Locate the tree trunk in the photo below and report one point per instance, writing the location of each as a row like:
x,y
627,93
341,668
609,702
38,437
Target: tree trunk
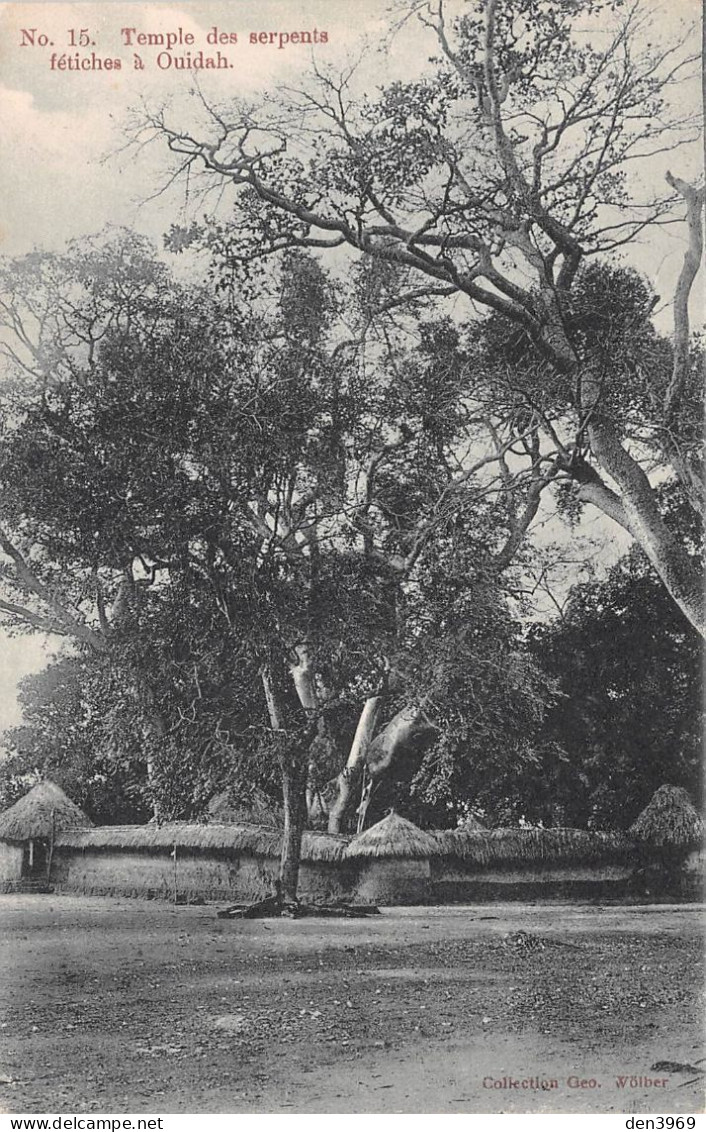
x,y
665,550
293,791
350,777
406,730
157,727
293,761
635,505
322,753
303,676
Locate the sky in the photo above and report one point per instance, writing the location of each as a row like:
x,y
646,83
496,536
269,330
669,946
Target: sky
x,y
61,132
66,174
64,128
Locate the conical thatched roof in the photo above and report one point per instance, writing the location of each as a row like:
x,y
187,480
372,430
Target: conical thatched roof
x,y
32,817
393,837
669,819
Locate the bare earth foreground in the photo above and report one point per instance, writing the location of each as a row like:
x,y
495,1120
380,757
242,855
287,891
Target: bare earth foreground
x,y
128,1006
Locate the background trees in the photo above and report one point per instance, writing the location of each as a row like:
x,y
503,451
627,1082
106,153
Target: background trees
x,y
80,731
630,712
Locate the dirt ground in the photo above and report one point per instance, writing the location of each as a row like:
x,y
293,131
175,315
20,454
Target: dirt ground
x,y
126,1006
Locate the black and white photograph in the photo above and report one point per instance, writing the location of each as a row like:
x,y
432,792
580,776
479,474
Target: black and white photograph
x,y
351,535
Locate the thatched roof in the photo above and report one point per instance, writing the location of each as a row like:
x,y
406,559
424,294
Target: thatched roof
x,y
44,808
393,837
238,837
258,810
669,819
507,847
470,822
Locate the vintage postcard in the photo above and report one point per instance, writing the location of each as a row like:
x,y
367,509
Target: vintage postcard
x,y
351,599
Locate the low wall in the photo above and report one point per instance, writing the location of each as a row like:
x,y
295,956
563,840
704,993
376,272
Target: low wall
x,y
696,861
532,874
394,881
130,872
556,890
694,880
459,881
327,882
209,875
240,876
10,865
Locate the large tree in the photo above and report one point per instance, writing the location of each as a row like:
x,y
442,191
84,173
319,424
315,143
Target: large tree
x,y
493,179
227,455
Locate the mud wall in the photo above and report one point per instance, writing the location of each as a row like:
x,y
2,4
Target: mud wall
x,y
326,882
209,875
456,871
10,865
394,881
456,881
242,878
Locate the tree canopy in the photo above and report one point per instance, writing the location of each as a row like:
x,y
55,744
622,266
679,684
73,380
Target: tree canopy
x,y
258,532
496,178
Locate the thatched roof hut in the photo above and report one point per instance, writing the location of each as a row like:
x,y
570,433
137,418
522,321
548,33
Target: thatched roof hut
x,y
669,820
517,847
394,836
44,810
238,837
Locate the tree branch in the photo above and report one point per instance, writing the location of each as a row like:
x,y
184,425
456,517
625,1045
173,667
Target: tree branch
x,y
692,262
72,626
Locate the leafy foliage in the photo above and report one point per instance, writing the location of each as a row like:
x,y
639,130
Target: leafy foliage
x,y
490,182
630,716
79,730
217,485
